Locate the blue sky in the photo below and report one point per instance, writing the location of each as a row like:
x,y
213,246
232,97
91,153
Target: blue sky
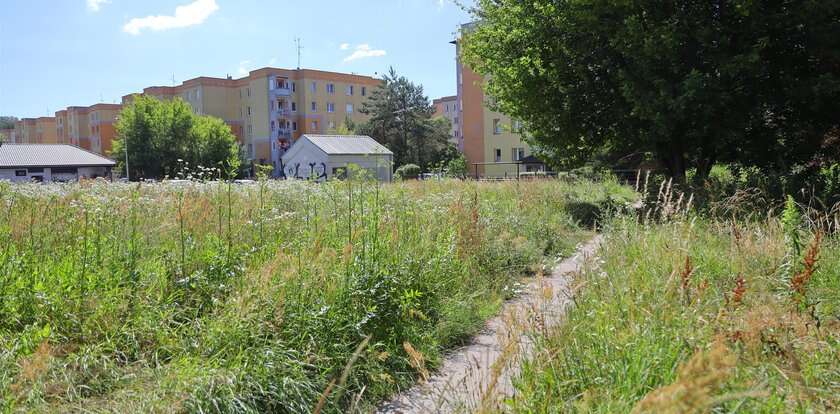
x,y
59,53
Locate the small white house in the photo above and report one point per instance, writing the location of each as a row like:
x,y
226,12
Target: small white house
x,y
50,162
322,157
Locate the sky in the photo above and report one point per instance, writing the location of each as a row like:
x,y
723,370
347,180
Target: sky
x,y
60,53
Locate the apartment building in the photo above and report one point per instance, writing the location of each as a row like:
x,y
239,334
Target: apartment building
x,y
76,127
61,130
101,123
447,107
491,141
271,108
45,132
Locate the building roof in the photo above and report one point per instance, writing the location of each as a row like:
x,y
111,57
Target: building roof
x,y
347,144
49,155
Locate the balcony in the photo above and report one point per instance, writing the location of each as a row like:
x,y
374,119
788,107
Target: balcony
x,y
284,134
282,91
281,112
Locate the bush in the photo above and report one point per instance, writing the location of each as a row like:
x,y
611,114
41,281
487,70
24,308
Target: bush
x,y
408,172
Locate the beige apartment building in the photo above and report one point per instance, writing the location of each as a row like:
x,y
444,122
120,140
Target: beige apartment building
x,y
76,127
447,107
271,108
491,141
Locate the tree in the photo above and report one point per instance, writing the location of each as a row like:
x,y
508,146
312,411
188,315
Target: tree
x,y
163,136
692,82
7,122
401,119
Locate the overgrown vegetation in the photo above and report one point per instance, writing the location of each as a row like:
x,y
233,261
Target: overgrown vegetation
x,y
162,138
688,313
271,297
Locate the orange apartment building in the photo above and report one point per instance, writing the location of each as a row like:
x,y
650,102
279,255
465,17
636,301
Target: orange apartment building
x,y
102,129
271,108
447,107
491,141
61,130
45,132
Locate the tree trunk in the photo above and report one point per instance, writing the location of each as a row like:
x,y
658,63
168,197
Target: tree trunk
x,y
673,157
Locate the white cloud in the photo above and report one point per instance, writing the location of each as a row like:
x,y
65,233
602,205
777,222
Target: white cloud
x,y
364,51
244,67
187,15
344,46
272,61
94,5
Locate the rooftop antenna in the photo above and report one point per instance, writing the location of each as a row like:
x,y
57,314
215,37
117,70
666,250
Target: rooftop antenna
x,y
173,79
299,47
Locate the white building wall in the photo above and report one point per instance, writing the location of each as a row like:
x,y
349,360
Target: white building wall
x,y
47,175
304,154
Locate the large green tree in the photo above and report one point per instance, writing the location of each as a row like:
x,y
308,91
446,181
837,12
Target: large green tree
x,y
401,119
693,82
162,137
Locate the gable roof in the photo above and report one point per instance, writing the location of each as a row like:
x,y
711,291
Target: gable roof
x,y
49,155
347,144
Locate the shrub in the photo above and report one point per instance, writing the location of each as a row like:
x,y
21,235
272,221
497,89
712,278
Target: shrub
x,y
408,172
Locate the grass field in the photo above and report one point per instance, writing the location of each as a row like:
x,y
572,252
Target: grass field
x,y
279,296
692,314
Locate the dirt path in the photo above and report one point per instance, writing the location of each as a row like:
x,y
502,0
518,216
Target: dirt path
x,y
478,376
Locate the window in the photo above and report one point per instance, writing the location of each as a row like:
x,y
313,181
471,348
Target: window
x,y
314,86
249,91
446,108
364,91
67,170
516,126
314,125
331,88
20,173
332,124
349,108
349,90
314,106
339,172
294,107
455,121
272,125
36,170
517,154
249,112
198,94
497,127
498,157
250,129
330,107
294,126
294,87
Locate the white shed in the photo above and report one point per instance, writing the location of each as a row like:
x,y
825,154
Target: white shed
x,y
51,162
322,157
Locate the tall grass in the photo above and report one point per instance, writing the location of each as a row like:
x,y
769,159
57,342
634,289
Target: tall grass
x,y
687,313
280,296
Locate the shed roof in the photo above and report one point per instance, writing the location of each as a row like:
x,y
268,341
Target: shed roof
x,y
348,144
49,155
